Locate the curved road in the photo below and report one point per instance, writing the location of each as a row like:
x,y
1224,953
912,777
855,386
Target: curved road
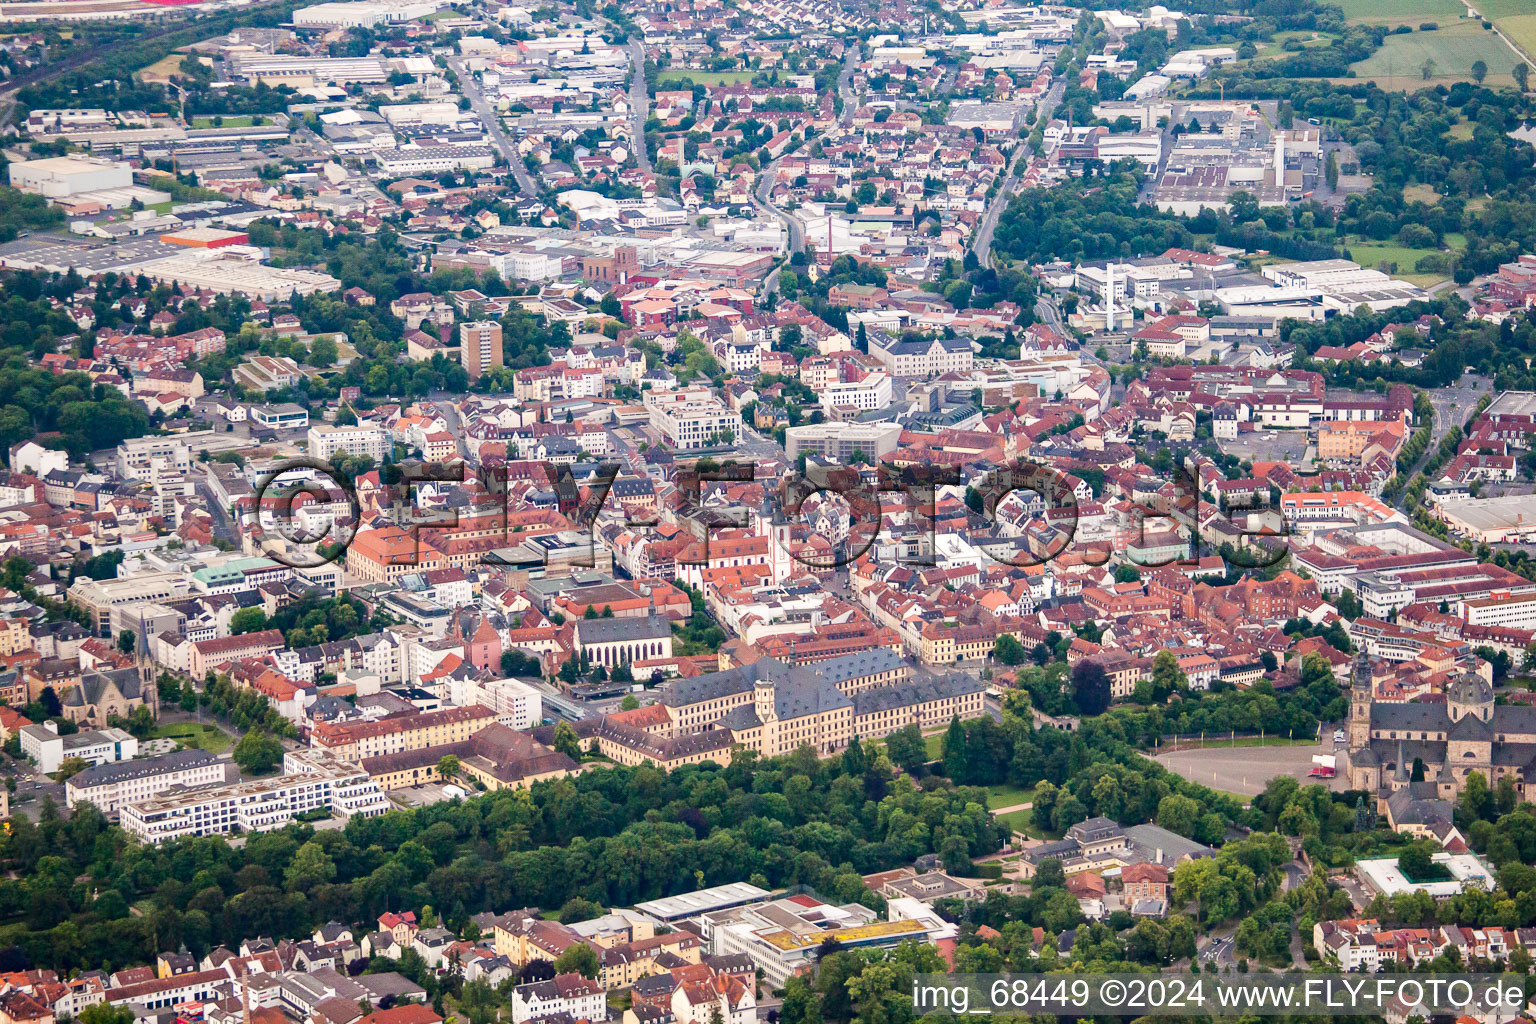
x,y
770,174
983,238
766,179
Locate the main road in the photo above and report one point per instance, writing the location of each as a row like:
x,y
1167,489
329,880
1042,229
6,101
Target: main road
x,y
765,183
845,85
639,104
492,121
983,240
768,175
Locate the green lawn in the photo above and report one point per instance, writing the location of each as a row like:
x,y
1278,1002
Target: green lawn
x,y
1020,821
1402,12
1007,796
191,734
1454,48
1368,254
227,121
666,78
935,746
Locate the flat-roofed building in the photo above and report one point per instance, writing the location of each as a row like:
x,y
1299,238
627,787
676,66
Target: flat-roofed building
x,y
359,440
311,780
111,785
691,418
43,744
59,177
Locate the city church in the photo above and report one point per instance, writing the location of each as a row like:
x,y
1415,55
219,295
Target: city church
x,y
1468,733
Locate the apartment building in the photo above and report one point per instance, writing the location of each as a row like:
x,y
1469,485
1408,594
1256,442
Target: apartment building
x,y
311,780
571,994
209,654
516,703
109,786
1517,611
356,440
691,418
480,347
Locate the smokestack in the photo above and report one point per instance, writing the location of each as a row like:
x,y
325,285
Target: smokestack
x,y
1279,160
1109,295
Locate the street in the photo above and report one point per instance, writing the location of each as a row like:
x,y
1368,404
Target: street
x,y
983,241
765,184
845,85
492,121
639,104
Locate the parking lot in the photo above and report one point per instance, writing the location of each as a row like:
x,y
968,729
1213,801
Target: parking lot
x,y
1244,771
1289,446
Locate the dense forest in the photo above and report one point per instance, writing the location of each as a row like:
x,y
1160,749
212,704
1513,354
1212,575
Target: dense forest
x,y
613,836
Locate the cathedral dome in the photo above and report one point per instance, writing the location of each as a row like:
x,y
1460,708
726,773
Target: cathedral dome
x,y
1470,688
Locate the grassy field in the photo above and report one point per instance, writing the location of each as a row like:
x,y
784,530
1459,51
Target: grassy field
x,y
1454,48
1020,821
228,121
162,69
666,78
1368,254
1515,19
1402,12
192,734
1007,796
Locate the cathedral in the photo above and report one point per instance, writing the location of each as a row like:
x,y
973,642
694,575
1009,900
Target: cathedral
x,y
1468,733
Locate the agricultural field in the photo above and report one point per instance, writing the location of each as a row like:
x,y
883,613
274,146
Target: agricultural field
x,y
1402,12
1515,18
1454,48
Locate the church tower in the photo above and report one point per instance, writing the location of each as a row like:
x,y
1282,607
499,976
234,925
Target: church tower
x,y
1360,703
765,704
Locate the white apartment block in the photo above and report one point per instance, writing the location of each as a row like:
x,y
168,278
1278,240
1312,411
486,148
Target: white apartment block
x,y
688,417
872,392
516,704
581,998
109,786
1516,611
358,440
310,780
